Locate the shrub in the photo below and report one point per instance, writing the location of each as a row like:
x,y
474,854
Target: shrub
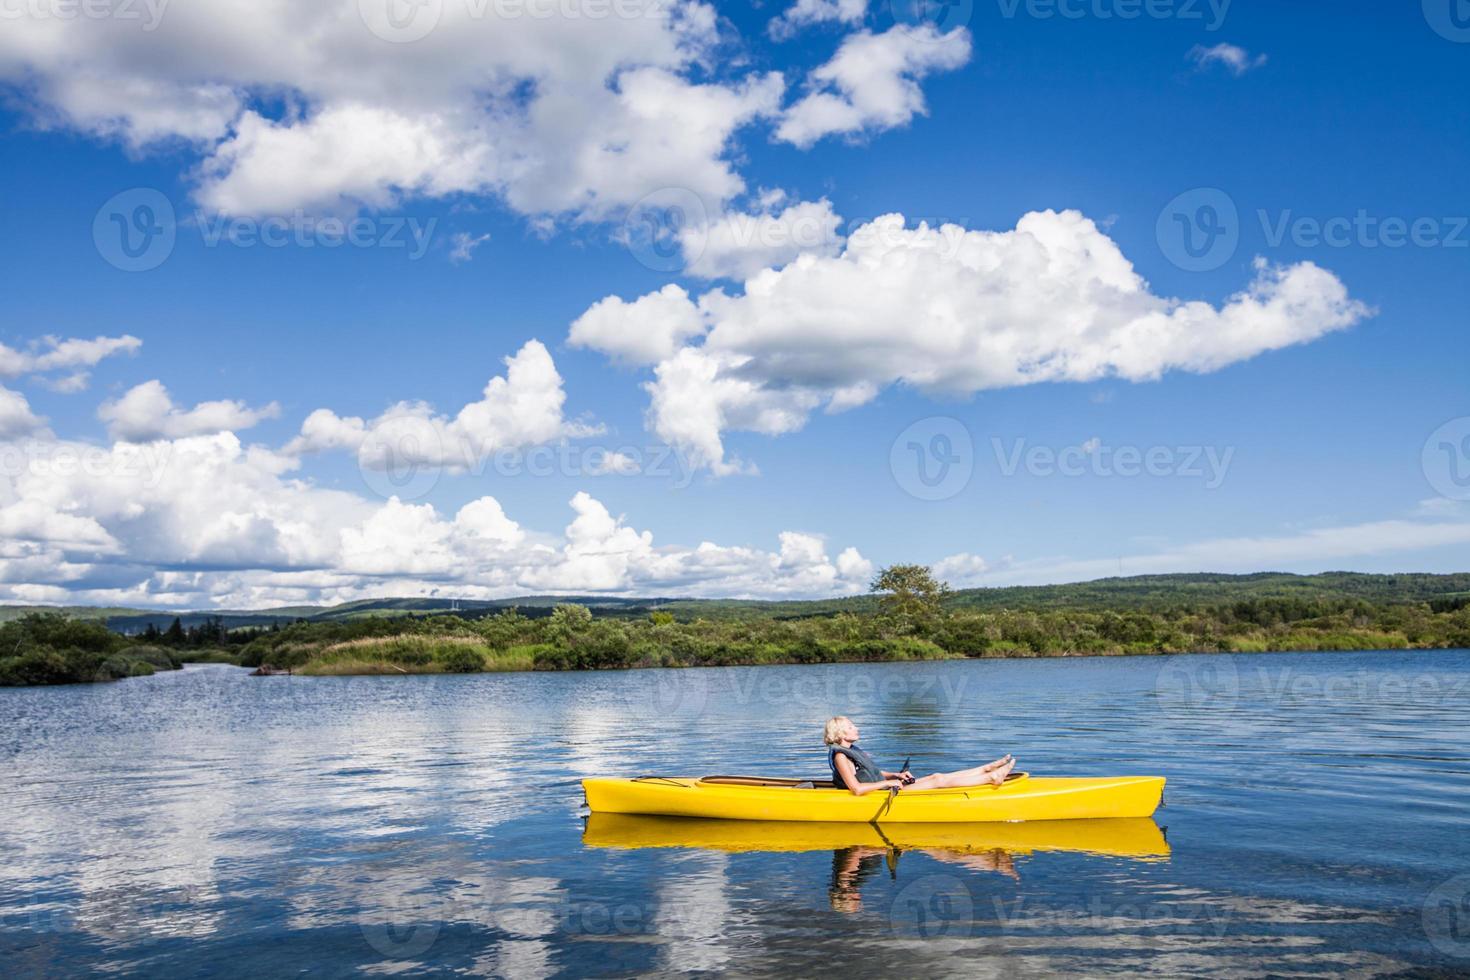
x,y
36,667
461,660
601,646
58,632
408,656
115,668
551,658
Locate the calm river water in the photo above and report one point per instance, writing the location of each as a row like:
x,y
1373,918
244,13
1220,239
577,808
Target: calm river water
x,y
1317,820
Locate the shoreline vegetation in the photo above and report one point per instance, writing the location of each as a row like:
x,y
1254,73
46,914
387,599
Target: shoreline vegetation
x,y
910,616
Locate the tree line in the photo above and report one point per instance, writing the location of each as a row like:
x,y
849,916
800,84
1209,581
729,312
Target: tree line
x,y
911,617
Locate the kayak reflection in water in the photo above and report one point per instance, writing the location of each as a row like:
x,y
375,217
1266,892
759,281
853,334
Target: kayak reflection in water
x,y
852,866
855,769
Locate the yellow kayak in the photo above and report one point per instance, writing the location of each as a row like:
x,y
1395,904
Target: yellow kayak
x,y
1130,837
1021,797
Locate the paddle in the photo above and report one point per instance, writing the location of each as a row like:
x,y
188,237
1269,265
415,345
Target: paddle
x,y
894,851
905,768
888,805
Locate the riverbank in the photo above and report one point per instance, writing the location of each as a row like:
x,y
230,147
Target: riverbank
x,y
52,649
338,664
572,639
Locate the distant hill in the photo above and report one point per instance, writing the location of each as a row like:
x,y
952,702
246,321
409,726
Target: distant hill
x,y
1150,592
1153,592
126,620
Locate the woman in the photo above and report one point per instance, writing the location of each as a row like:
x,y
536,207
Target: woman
x,y
855,769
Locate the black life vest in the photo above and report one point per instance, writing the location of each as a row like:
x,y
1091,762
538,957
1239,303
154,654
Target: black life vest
x,y
867,769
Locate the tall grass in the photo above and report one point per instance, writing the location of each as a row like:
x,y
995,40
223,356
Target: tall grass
x,y
415,654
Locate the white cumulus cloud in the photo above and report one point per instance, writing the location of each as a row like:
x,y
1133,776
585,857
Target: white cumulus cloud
x,y
16,417
740,244
1232,57
644,331
147,412
804,13
313,106
872,83
952,311
523,408
58,354
206,520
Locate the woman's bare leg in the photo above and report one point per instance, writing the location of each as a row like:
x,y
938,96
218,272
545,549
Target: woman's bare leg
x,y
993,773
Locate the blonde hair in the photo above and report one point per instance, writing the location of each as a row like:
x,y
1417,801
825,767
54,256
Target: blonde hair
x,y
832,731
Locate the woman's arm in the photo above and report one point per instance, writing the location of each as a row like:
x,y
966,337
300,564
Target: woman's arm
x,y
848,772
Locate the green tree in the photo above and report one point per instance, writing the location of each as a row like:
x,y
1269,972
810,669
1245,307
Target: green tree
x,y
568,618
910,594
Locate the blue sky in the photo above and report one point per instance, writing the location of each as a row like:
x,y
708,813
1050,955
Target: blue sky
x,y
1303,112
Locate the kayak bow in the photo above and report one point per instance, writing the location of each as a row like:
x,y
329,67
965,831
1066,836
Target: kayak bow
x,y
1022,797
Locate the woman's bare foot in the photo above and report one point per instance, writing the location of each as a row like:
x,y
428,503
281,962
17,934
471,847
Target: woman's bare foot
x,y
998,776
